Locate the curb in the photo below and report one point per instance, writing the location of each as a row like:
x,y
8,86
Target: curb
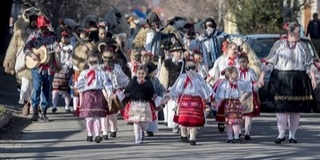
x,y
5,119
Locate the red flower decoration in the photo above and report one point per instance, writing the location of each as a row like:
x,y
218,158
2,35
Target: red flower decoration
x,y
64,33
286,26
42,21
224,46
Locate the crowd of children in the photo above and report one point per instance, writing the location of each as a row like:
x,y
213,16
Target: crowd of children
x,y
180,83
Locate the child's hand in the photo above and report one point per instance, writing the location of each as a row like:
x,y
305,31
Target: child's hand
x,y
164,101
256,87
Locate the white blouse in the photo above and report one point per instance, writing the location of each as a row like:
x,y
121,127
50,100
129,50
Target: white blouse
x,y
118,78
284,56
196,86
219,65
227,90
66,56
94,79
202,70
248,76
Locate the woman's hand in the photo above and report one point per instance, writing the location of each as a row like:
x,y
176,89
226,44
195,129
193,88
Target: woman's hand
x,y
35,57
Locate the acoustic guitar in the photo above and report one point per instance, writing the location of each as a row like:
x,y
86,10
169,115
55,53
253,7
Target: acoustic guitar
x,y
43,56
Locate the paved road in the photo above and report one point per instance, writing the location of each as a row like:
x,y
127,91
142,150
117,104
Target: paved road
x,y
64,138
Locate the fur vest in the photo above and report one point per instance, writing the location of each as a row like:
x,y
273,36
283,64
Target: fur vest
x,y
140,92
174,70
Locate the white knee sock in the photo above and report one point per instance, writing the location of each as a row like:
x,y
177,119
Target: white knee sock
x,y
293,124
89,125
184,131
113,122
25,90
193,133
97,126
247,124
236,129
229,131
75,102
136,130
103,126
67,100
55,98
282,121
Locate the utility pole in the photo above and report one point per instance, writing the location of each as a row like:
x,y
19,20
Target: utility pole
x,y
220,14
291,10
288,11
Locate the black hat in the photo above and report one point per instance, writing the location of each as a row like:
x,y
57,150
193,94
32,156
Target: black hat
x,y
177,47
166,45
151,67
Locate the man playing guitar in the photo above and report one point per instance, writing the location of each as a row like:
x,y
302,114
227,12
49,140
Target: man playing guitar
x,y
41,74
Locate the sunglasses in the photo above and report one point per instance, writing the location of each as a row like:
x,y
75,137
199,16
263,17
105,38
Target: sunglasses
x,y
93,62
107,57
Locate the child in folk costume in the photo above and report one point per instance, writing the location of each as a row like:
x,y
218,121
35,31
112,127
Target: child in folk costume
x,y
119,80
170,70
228,59
79,60
227,97
159,91
140,110
135,61
201,68
191,90
61,79
249,100
92,85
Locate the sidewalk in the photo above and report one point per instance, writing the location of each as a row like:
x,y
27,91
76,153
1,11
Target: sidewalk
x,y
64,138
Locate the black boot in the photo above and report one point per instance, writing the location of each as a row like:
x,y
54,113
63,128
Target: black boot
x,y
192,142
184,139
221,127
35,115
113,134
44,117
150,133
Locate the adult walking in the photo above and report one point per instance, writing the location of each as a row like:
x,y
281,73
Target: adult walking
x,y
290,88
